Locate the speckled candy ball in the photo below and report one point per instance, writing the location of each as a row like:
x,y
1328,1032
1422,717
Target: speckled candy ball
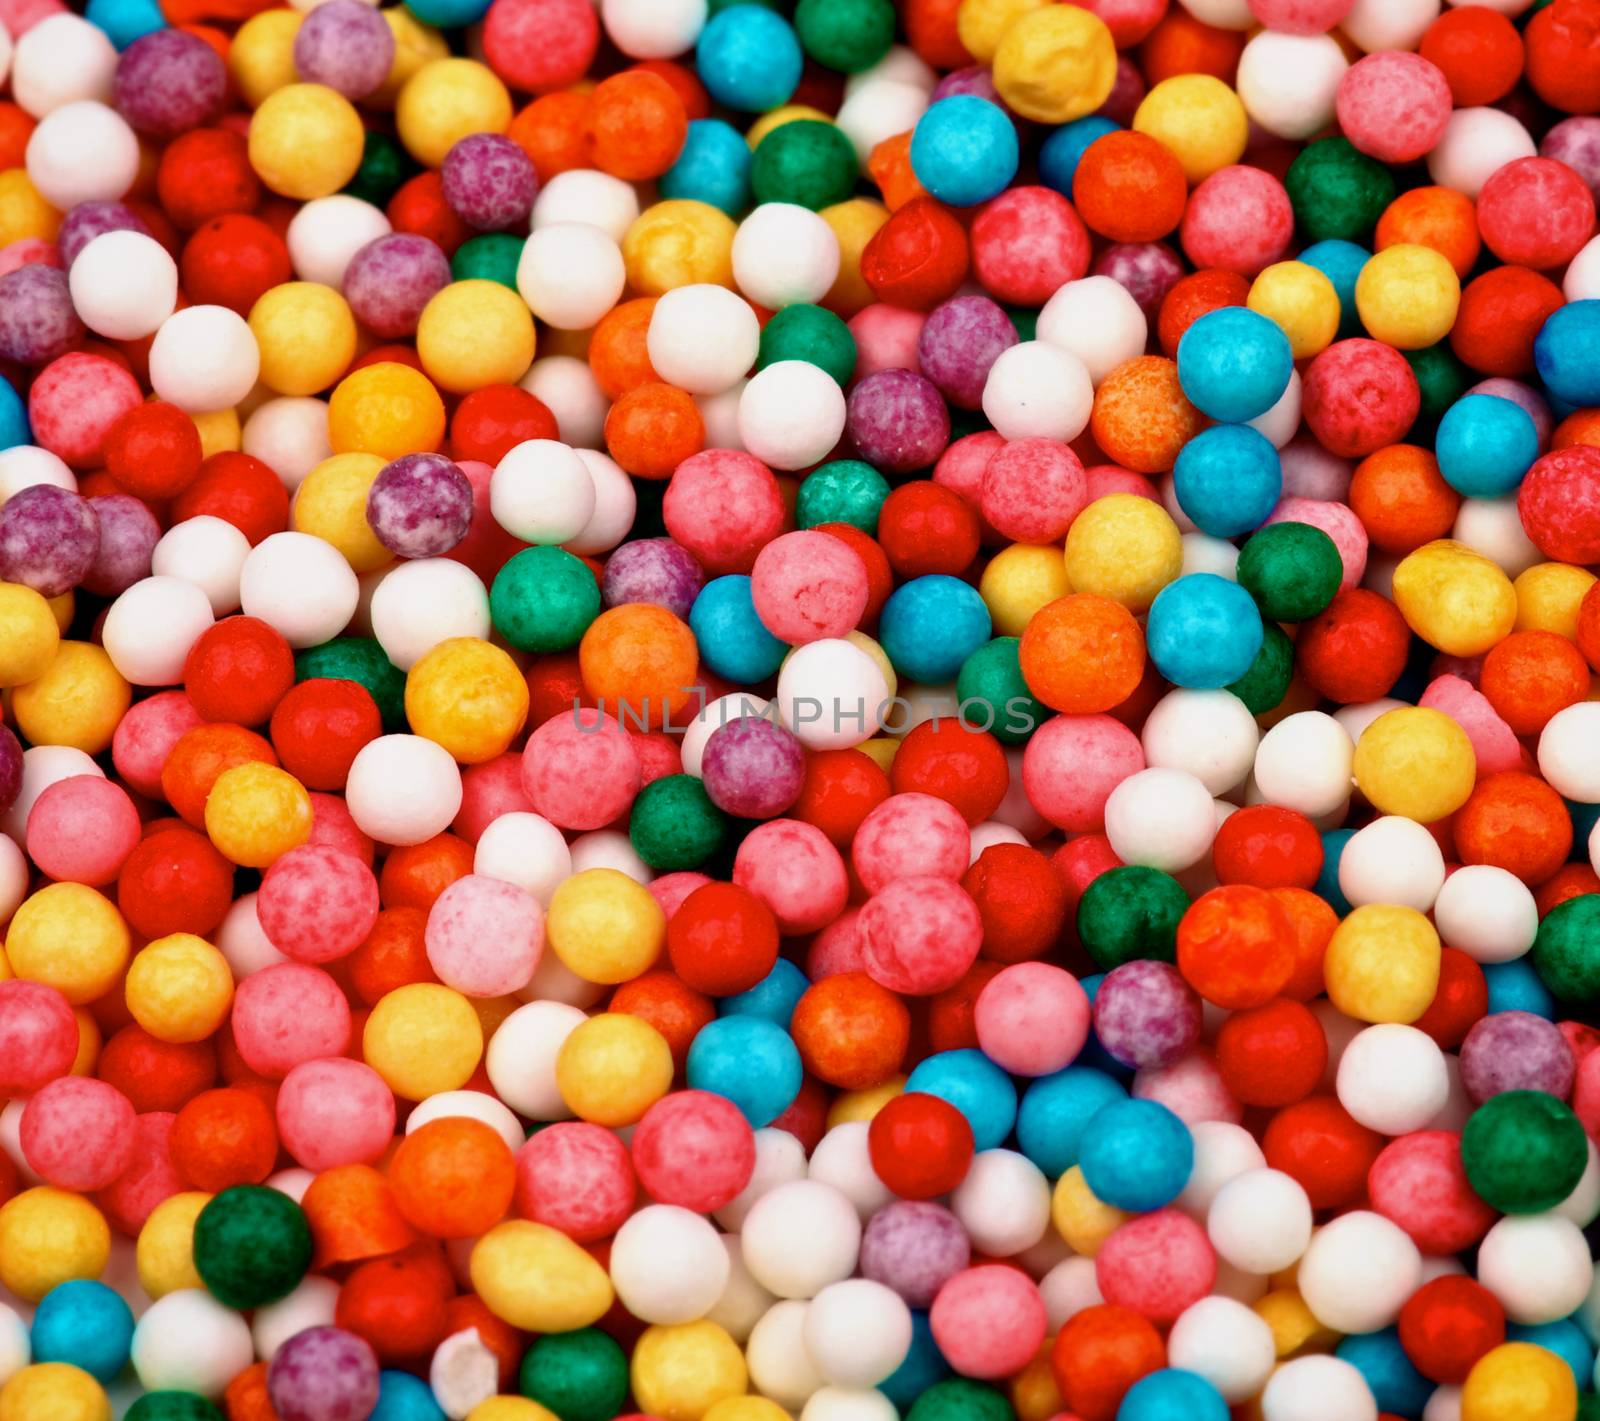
x,y
753,768
914,1246
48,539
420,505
489,182
898,421
1146,1015
129,533
89,220
37,321
390,280
808,586
960,340
324,1374
656,570
345,45
251,1245
168,82
1516,1050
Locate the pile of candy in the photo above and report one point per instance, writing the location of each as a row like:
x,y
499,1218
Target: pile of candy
x,y
840,710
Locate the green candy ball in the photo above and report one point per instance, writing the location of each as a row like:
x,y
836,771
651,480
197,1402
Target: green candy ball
x,y
1524,1151
251,1245
957,1399
1291,569
806,162
1266,683
1337,191
845,491
581,1376
1566,952
362,660
809,333
385,166
1588,1407
846,35
1440,376
543,599
674,824
491,256
992,677
1130,913
172,1406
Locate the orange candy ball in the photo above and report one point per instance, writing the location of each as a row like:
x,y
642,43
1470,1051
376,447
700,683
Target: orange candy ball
x,y
618,355
851,1032
639,661
453,1178
653,428
1530,676
1517,823
1437,217
1141,416
1236,946
1082,654
1129,187
1402,499
637,125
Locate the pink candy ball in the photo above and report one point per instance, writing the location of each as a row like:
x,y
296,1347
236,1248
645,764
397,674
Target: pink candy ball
x,y
144,737
484,936
911,835
1494,744
1394,106
989,1321
81,829
1357,396
837,948
1419,1183
659,754
333,826
671,889
1192,1088
575,1177
1033,489
1032,1018
150,1177
1157,1264
334,1112
1300,17
580,771
73,403
694,1149
886,338
920,935
1239,219
792,868
316,904
723,506
1339,522
1071,765
1105,479
38,1036
1310,471
287,1014
488,791
78,1133
808,586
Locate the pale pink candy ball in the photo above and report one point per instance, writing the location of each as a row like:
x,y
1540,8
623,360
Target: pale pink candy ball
x,y
1394,106
1300,17
793,868
1157,1264
911,835
78,1133
577,1178
1033,489
287,1014
672,888
961,467
150,1177
488,791
82,829
1032,1018
989,1321
1310,471
484,936
1338,522
1102,480
144,737
1071,765
886,338
920,935
837,948
1192,1088
694,1149
580,770
333,826
808,586
660,754
334,1112
1494,743
316,903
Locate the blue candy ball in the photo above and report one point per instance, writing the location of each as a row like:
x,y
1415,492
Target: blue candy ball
x,y
448,14
1515,986
1204,631
14,427
964,150
1063,150
732,640
713,167
749,58
403,1397
1172,1395
1055,1112
125,20
1228,480
1396,1385
932,624
1341,263
750,1061
1485,445
978,1088
1327,885
923,1366
774,997
86,1324
1567,353
1234,364
1136,1155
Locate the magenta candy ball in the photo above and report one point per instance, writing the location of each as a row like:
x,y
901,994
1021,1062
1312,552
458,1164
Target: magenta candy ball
x,y
753,767
1145,1014
914,1246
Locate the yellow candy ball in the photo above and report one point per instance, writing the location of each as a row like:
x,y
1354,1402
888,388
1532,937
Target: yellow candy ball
x,y
746,1408
1548,597
53,1391
306,334
219,431
606,927
444,101
1382,964
1056,64
164,1253
415,44
1199,118
862,642
49,1236
77,701
1303,303
1417,762
331,504
680,1372
71,938
1519,1381
1294,1326
776,118
854,224
63,608
863,1105
422,1039
1407,296
256,813
387,409
28,634
881,750
89,1041
179,988
678,243
1034,1393
306,141
1124,547
261,57
475,333
1083,1220
612,1068
538,1279
981,24
23,212
468,696
1455,598
1018,581
510,1408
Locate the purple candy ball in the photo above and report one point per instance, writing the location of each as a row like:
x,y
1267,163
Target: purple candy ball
x,y
1145,1014
10,768
489,182
324,1374
914,1247
654,570
420,505
89,220
48,539
898,421
1519,392
1516,1050
128,536
393,277
960,340
346,45
1127,93
1147,269
1576,142
753,768
37,320
168,82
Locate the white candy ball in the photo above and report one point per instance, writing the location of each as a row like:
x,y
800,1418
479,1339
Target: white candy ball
x,y
541,492
791,414
831,694
1288,83
609,848
1224,14
1304,762
289,435
82,152
1210,735
567,385
800,1237
1357,717
1227,1343
615,504
403,789
1359,1271
1493,527
879,109
204,358
521,1057
1392,860
780,1159
1069,1288
525,849
1222,1151
209,552
1036,390
902,65
588,196
1582,281
784,254
668,1264
1582,1206
424,602
990,833
703,338
123,285
187,1341
571,274
653,29
1161,819
1443,1405
1392,1078
1096,319
857,1332
1476,144
837,1403
720,415
311,1304
1487,912
780,1365
1280,421
1388,24
554,981
327,232
24,465
468,1105
462,1373
1537,1266
150,628
1203,553
1317,1388
841,1160
300,585
1260,1221
1569,752
744,1302
16,1345
1003,1203
61,60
